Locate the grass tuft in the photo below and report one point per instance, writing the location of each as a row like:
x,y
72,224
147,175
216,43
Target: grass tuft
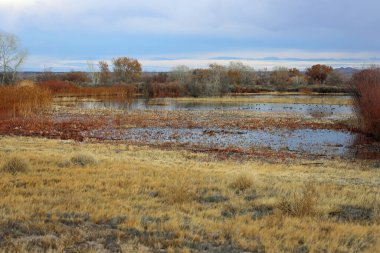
x,y
83,160
241,183
16,165
180,191
301,203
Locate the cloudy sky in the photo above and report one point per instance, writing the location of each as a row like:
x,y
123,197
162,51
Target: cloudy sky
x,y
64,34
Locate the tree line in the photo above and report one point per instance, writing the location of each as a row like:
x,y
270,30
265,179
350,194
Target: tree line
x,y
215,80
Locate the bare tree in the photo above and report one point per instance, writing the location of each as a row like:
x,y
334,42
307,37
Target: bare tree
x,y
280,77
335,78
217,80
11,57
181,73
93,72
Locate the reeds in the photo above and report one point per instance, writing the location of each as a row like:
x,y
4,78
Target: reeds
x,y
367,102
61,88
23,100
170,89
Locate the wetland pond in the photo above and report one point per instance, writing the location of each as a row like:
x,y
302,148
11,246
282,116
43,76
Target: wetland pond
x,y
320,142
324,110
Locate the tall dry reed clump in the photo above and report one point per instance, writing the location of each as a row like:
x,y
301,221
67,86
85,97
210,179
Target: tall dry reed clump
x,y
367,100
23,99
63,88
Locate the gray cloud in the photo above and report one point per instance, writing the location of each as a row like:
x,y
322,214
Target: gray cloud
x,y
277,26
219,17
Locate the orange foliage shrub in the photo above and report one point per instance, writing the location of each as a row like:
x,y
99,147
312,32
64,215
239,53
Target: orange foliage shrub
x,y
23,100
367,102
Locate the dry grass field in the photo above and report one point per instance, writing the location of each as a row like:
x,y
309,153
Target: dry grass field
x,y
69,196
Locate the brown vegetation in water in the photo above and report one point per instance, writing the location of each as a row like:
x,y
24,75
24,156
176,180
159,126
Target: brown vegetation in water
x,y
23,100
367,102
62,88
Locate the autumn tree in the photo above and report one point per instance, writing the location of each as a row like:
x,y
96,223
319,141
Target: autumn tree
x,y
126,69
11,57
104,74
318,73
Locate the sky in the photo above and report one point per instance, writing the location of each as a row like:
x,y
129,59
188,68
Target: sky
x,y
63,35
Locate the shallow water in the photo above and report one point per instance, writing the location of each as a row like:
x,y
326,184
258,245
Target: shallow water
x,y
317,142
309,110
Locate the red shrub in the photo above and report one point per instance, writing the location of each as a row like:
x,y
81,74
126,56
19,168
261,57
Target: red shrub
x,y
171,89
367,100
59,87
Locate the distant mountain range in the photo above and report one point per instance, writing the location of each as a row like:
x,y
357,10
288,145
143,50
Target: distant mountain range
x,y
348,71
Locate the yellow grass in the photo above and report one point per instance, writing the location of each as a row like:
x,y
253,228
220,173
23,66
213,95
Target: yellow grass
x,y
172,199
